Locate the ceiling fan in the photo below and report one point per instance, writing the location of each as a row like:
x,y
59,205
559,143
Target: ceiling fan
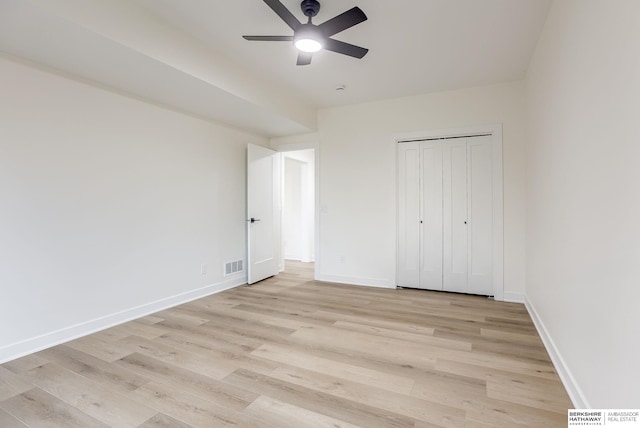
x,y
310,38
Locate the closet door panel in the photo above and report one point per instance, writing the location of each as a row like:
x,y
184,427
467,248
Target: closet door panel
x,y
455,216
408,215
480,216
431,216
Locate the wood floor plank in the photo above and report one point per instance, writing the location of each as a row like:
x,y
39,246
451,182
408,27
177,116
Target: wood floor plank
x,y
289,324
99,347
530,391
140,329
439,310
25,363
191,320
291,313
95,369
9,421
526,339
385,349
373,321
293,352
282,415
231,358
204,364
423,424
424,319
400,404
236,324
174,376
307,360
11,384
476,424
37,408
529,352
453,391
191,408
208,336
409,337
161,420
481,371
319,402
502,414
97,401
481,409
288,300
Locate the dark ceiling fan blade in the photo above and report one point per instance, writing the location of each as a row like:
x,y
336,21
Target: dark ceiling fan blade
x,y
304,58
343,21
283,13
269,38
345,48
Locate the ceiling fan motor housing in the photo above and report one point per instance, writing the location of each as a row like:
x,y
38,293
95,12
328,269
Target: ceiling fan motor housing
x,y
310,8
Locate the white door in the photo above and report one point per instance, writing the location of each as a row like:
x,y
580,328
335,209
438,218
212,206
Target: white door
x,y
409,215
263,212
454,203
446,215
420,215
431,215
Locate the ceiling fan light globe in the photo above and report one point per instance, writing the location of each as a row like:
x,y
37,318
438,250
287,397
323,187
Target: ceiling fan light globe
x,y
308,45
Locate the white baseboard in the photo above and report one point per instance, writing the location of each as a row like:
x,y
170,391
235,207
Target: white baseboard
x,y
352,280
47,340
575,393
513,297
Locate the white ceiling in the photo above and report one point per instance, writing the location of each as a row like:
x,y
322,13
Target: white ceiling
x,y
189,54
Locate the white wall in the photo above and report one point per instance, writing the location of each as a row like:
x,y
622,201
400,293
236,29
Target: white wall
x,y
109,206
583,196
305,235
358,177
292,209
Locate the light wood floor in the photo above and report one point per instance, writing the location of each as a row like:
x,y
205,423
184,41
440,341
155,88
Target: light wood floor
x,y
294,353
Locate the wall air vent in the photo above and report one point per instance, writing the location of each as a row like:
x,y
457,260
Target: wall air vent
x,y
233,267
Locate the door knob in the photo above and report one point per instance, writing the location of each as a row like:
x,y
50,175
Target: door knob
x,y
253,220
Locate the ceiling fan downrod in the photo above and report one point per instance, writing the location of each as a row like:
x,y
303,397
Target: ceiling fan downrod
x,y
310,8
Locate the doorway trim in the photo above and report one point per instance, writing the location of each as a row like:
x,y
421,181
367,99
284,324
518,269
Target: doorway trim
x,y
495,130
309,142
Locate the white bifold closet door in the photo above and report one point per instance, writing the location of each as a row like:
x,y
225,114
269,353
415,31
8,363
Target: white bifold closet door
x,y
420,215
446,215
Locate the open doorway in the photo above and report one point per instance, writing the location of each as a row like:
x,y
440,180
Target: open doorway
x,y
298,207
